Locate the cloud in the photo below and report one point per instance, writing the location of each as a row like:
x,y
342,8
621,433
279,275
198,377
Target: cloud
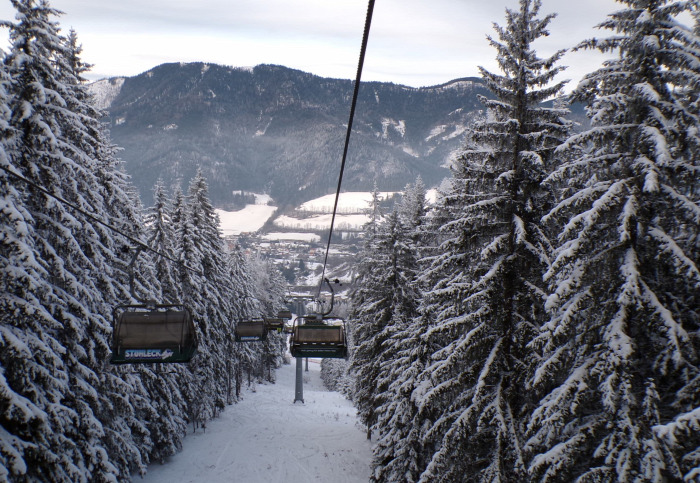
x,y
412,42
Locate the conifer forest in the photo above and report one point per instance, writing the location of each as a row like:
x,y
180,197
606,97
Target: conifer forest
x,y
540,322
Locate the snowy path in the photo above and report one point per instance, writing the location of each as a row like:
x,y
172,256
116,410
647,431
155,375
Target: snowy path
x,y
266,438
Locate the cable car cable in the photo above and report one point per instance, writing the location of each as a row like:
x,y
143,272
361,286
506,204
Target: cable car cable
x,y
363,49
92,217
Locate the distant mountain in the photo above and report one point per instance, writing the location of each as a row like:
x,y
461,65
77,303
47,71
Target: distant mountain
x,y
281,131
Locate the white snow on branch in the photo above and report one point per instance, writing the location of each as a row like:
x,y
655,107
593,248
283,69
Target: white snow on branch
x,y
675,333
684,265
677,429
601,205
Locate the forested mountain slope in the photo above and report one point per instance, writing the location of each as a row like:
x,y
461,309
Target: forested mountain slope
x,y
280,130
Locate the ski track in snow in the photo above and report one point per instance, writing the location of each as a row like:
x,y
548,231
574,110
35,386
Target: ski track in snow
x,y
267,438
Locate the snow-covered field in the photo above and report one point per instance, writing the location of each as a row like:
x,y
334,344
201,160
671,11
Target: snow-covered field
x,y
306,237
322,222
351,215
249,219
349,202
266,438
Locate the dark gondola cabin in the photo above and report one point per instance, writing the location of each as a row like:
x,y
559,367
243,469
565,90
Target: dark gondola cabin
x,y
250,331
274,323
319,338
164,334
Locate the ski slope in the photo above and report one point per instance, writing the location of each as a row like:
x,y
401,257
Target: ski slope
x,y
266,438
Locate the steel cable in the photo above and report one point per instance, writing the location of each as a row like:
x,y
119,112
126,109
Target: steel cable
x,y
363,49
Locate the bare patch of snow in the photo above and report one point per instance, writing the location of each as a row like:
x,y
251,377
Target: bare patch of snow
x,y
459,85
398,126
248,220
459,130
408,150
436,131
263,199
105,91
261,132
401,127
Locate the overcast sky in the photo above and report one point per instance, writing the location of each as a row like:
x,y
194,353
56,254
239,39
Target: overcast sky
x,y
412,42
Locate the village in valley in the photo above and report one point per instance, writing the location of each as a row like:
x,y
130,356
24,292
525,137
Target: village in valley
x,y
296,242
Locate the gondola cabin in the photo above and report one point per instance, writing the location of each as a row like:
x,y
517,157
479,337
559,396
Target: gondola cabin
x,y
324,338
251,331
284,314
275,324
161,333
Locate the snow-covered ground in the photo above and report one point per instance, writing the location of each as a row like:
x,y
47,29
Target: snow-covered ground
x,y
322,222
348,202
105,91
266,438
351,215
249,219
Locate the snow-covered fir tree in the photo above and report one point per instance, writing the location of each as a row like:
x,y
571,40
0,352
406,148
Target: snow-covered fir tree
x,y
57,144
164,411
25,346
395,453
204,281
412,207
49,149
620,366
161,238
380,281
269,287
247,307
486,297
65,413
151,426
371,309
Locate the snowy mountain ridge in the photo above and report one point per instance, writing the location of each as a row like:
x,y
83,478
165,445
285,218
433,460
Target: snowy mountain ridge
x,y
278,130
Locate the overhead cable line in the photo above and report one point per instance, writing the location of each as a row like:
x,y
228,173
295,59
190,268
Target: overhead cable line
x,y
363,49
141,245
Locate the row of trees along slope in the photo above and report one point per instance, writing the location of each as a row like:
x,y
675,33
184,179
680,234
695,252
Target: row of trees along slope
x,y
65,414
542,322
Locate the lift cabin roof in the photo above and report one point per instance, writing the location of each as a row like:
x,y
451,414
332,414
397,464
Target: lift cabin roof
x,y
165,334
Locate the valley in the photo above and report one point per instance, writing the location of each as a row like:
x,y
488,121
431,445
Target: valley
x,y
295,241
